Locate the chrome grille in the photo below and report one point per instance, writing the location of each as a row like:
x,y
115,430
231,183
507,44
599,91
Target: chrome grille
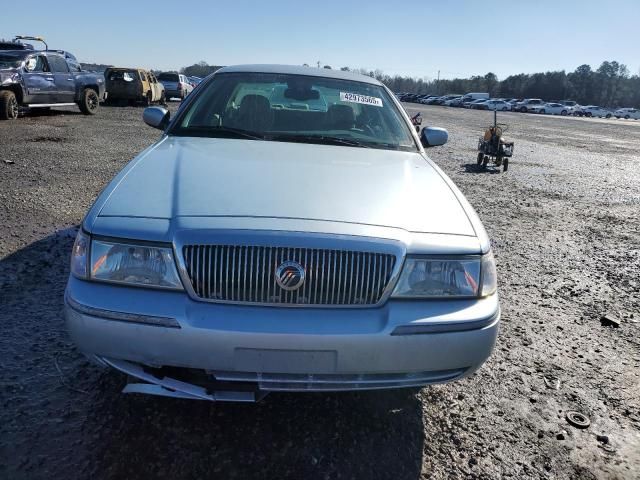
x,y
246,274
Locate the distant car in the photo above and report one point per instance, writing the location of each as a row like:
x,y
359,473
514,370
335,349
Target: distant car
x,y
455,102
499,105
572,107
411,97
596,111
474,103
194,81
550,108
450,99
175,85
627,113
429,100
527,103
43,79
133,85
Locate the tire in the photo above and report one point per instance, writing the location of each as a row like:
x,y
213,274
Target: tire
x,y
148,99
626,117
608,115
504,109
485,161
523,109
89,101
480,157
163,99
8,105
505,164
588,114
563,113
543,111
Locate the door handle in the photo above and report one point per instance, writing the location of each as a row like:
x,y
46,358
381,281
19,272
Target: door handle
x,y
69,79
51,79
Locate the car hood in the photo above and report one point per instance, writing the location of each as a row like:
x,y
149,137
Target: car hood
x,y
9,75
208,177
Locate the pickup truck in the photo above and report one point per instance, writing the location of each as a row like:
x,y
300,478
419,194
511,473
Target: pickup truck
x,y
46,78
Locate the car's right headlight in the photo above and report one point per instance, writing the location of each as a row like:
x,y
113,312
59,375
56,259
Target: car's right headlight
x,y
124,263
447,277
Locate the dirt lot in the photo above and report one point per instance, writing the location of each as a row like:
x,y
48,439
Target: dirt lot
x,y
565,226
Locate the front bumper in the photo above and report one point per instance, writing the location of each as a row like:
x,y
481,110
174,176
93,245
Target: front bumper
x,y
403,343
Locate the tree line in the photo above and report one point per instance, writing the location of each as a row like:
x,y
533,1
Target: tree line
x,y
610,85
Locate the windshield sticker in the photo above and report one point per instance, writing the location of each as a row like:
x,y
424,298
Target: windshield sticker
x,y
356,98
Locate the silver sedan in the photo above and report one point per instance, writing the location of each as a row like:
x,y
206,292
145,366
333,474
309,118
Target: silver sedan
x,y
287,232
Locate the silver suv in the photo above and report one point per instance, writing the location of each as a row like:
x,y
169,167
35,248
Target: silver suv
x,y
175,85
286,233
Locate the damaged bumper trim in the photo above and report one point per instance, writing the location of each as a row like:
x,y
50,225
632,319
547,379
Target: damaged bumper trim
x,y
170,387
122,316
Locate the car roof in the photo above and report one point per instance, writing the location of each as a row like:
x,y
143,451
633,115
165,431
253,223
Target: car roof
x,y
299,70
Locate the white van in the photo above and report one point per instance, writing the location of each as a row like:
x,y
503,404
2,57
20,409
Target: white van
x,y
475,96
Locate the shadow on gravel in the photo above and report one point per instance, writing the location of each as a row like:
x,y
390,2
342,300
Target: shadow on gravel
x,y
62,417
475,168
49,112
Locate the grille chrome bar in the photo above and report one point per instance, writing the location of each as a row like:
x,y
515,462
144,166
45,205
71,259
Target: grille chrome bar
x,y
246,274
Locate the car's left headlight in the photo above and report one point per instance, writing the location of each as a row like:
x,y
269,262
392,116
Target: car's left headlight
x,y
143,265
124,263
446,277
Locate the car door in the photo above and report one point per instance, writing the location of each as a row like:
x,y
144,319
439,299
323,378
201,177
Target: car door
x,y
65,85
39,80
155,87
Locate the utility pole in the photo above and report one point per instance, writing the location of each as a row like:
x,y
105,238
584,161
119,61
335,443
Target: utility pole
x,y
438,84
318,63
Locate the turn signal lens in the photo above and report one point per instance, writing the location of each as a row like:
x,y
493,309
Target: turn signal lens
x,y
79,255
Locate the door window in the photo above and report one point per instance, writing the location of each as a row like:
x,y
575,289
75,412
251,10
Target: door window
x,y
143,76
58,64
37,64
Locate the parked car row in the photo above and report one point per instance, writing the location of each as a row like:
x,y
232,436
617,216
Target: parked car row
x,y
481,101
39,79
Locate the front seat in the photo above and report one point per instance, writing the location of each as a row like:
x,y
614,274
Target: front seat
x,y
255,114
340,117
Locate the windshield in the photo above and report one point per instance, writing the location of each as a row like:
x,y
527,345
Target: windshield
x,y
296,108
121,75
9,61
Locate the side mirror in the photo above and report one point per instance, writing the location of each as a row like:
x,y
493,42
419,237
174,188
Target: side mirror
x,y
433,137
156,117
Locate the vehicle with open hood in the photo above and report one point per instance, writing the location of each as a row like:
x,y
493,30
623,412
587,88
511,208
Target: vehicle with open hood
x,y
31,79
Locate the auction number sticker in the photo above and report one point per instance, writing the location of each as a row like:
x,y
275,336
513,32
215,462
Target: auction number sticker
x,y
356,98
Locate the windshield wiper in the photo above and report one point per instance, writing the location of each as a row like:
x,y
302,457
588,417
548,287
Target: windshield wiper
x,y
222,131
319,139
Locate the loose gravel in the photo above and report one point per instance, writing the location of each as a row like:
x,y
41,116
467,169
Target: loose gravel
x,y
565,226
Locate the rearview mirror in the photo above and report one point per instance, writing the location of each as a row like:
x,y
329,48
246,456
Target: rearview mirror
x,y
156,117
433,137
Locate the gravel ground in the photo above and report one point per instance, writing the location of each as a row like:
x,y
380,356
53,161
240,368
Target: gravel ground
x,y
565,226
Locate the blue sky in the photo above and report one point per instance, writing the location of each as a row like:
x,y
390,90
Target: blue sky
x,y
410,38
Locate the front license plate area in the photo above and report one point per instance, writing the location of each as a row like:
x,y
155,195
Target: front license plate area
x,y
285,361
